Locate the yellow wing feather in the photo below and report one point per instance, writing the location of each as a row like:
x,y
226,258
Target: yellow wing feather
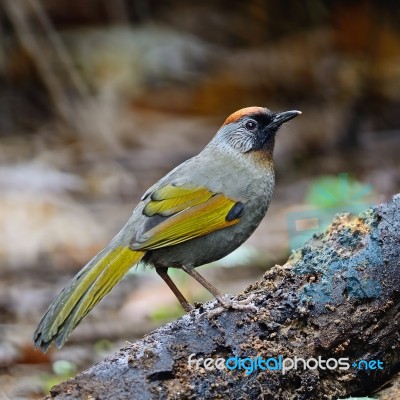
x,y
194,221
171,191
170,200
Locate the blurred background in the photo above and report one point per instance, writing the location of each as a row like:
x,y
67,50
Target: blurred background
x,y
99,99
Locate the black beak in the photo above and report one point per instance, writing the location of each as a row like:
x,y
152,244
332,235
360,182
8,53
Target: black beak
x,y
283,117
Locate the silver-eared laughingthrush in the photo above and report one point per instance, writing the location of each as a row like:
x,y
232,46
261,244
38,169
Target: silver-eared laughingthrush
x,y
199,212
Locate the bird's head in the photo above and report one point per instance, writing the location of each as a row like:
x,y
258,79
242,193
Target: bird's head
x,y
252,129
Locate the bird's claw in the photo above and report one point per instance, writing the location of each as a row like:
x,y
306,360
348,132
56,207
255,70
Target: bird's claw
x,y
228,304
243,305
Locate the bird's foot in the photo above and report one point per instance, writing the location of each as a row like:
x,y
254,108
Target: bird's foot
x,y
242,305
228,304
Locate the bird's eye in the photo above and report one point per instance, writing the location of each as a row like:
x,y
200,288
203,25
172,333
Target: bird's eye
x,y
250,125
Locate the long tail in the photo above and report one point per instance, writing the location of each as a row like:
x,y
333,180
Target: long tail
x,y
82,293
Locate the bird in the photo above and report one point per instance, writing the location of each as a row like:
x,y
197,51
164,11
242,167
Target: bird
x,y
199,212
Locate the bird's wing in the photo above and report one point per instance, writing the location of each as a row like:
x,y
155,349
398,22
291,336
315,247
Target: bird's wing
x,y
175,214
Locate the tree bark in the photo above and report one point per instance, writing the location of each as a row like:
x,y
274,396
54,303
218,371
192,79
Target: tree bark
x,y
337,297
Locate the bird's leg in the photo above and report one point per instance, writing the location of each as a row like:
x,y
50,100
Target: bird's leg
x,y
222,299
163,272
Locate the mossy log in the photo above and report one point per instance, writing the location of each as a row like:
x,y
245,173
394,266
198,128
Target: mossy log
x,y
337,297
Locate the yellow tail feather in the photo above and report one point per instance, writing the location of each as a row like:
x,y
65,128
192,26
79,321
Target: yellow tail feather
x,y
82,293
